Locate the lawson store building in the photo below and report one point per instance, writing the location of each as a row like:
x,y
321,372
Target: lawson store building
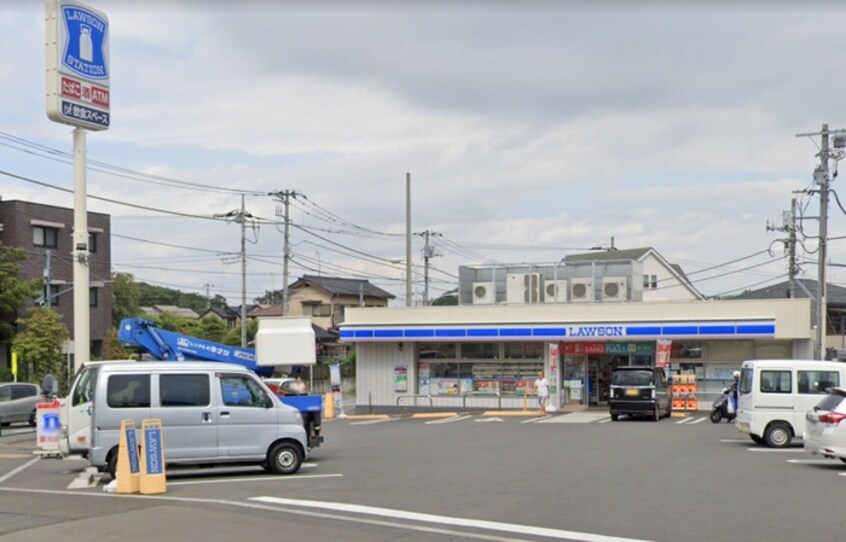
x,y
486,355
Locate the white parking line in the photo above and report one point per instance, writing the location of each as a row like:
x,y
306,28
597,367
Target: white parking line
x,y
448,420
778,450
683,420
19,469
738,440
697,420
813,462
533,420
530,530
254,479
371,422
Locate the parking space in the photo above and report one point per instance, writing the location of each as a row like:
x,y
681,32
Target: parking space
x,y
542,473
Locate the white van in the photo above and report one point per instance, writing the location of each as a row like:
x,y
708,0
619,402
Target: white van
x,y
211,413
774,396
75,410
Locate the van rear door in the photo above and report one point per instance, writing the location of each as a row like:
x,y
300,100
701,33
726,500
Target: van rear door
x,y
774,393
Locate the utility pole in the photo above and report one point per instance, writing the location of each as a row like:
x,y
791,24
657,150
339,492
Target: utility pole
x,y
821,178
788,226
284,197
240,216
428,253
408,239
48,280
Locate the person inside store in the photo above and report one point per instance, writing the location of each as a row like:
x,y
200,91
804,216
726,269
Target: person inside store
x,y
542,391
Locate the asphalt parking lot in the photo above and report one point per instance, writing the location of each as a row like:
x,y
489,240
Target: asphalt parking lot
x,y
565,477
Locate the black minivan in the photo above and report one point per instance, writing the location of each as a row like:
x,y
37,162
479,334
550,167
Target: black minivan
x,y
640,391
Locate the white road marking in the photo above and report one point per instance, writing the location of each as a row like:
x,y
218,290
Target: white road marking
x,y
19,469
606,420
587,537
254,479
778,450
371,422
86,479
578,417
447,520
743,440
697,420
494,419
448,420
683,420
534,420
814,462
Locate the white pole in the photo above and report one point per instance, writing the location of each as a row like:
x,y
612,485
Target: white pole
x,y
81,310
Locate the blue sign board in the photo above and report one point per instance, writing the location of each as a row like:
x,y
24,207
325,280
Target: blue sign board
x,y
153,449
132,448
85,49
85,114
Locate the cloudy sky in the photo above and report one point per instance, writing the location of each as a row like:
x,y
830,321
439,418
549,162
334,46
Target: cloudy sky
x,y
531,130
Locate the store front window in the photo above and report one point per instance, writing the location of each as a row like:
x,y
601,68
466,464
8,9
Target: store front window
x,y
508,369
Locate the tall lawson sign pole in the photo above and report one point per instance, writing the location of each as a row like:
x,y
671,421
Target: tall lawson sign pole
x,y
78,94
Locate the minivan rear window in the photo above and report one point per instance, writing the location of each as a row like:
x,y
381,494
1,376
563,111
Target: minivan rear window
x,y
632,378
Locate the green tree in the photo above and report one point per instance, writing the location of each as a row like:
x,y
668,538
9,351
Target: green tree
x,y
112,349
213,329
125,297
233,338
447,298
270,297
13,290
39,346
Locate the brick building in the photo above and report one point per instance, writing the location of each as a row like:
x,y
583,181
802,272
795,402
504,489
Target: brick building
x,y
45,232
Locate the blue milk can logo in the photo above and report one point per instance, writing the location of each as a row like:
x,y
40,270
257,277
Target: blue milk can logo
x,y
85,46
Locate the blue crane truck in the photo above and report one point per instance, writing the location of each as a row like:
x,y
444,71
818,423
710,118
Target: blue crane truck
x,y
171,346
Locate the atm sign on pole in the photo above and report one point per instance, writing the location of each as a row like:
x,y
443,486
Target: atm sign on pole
x,y
77,65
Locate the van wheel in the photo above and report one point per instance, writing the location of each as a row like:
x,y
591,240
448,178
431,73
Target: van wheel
x,y
32,419
657,413
284,458
615,417
778,435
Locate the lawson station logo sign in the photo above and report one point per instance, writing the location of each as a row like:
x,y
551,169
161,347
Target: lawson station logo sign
x,y
596,331
77,39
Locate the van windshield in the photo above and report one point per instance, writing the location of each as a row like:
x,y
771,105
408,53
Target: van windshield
x,y
83,390
632,378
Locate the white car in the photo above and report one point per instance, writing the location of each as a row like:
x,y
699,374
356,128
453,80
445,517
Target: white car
x,y
825,428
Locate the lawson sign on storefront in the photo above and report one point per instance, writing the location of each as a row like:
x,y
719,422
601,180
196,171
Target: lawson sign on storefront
x,y
573,332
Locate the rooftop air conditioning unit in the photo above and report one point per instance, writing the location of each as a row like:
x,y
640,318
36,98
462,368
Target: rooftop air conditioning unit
x,y
581,290
614,288
484,293
555,291
523,288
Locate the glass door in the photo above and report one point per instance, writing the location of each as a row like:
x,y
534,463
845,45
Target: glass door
x,y
573,382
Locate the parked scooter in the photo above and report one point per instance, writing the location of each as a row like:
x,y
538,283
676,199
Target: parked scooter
x,y
725,406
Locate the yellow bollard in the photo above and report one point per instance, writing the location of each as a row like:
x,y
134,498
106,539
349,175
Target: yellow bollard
x,y
328,405
128,469
152,458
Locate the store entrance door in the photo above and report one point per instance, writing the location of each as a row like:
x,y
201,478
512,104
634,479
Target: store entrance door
x,y
573,382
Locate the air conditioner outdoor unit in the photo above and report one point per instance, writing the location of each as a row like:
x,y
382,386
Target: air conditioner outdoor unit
x,y
581,290
523,288
555,291
614,288
484,293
